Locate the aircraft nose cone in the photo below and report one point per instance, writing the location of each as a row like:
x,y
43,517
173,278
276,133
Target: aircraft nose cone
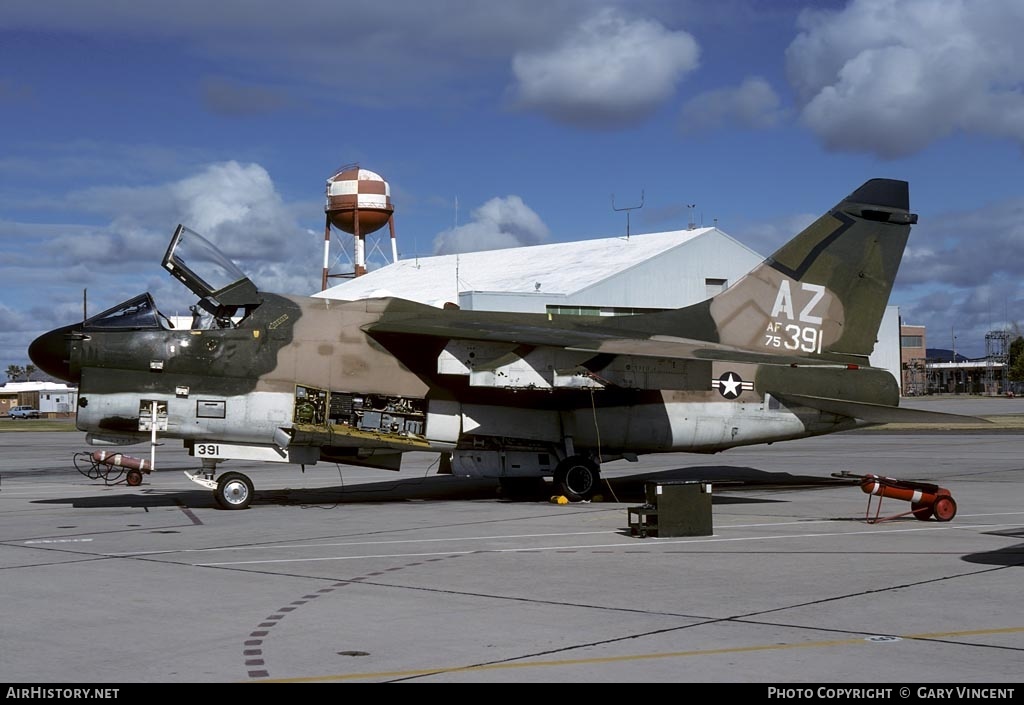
x,y
50,353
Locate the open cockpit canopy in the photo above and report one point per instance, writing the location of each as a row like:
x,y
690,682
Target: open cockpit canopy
x,y
221,286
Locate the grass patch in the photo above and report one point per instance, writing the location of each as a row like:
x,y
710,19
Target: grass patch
x,y
36,425
1002,422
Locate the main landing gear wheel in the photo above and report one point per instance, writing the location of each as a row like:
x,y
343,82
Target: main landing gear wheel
x,y
133,478
234,491
577,477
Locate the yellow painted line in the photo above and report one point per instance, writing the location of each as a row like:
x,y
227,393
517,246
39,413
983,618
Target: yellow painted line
x,y
975,632
633,657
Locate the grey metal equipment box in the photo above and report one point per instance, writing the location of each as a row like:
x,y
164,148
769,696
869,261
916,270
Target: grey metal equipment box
x,y
673,508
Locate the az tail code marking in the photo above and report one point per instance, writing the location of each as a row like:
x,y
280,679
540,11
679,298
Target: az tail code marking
x,y
793,336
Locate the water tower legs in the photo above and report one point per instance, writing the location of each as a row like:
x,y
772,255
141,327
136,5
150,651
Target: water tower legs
x,y
327,252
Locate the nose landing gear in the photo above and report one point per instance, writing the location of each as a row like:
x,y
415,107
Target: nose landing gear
x,y
232,490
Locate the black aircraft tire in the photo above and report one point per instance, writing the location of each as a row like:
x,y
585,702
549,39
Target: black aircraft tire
x,y
234,491
577,478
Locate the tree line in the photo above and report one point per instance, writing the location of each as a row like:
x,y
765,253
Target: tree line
x,y
17,373
1015,373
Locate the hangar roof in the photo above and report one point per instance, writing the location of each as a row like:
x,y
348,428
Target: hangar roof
x,y
11,387
559,268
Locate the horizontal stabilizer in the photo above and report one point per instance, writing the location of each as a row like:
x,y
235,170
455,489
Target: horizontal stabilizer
x,y
878,413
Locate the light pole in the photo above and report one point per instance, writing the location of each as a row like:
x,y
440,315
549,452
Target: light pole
x,y
956,370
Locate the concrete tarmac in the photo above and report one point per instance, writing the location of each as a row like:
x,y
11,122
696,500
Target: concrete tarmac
x,y
359,575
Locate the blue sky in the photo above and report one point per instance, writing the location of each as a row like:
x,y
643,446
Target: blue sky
x,y
500,123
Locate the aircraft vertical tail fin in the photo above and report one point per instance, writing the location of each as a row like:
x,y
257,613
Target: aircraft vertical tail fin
x,y
822,293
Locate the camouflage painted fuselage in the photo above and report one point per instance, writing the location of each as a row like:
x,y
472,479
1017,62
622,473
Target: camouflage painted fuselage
x,y
782,354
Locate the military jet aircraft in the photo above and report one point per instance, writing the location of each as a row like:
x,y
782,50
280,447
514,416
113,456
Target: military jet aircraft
x,y
782,354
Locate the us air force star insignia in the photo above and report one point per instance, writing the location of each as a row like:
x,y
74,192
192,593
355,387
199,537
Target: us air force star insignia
x,y
730,385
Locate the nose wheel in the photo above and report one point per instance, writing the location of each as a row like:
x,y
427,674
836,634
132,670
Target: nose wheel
x,y
234,491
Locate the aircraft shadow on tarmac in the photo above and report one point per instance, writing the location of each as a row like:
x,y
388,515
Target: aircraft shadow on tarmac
x,y
623,489
731,478
1007,556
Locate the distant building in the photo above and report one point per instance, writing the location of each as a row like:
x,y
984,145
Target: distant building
x,y
950,372
967,377
54,400
913,360
601,277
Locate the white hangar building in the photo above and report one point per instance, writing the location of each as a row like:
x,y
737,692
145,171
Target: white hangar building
x,y
600,277
609,276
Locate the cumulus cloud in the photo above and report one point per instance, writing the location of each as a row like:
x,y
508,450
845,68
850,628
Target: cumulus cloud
x,y
11,320
752,104
236,206
609,71
947,249
441,53
230,195
16,329
938,282
960,270
889,77
969,314
364,53
499,223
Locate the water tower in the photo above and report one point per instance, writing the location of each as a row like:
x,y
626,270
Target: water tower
x,y
358,203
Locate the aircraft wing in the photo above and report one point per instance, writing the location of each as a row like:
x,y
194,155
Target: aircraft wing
x,y
878,413
602,339
475,328
582,338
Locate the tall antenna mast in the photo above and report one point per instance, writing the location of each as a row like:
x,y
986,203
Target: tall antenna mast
x,y
628,209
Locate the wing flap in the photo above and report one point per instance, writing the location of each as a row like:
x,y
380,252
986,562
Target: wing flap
x,y
686,349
